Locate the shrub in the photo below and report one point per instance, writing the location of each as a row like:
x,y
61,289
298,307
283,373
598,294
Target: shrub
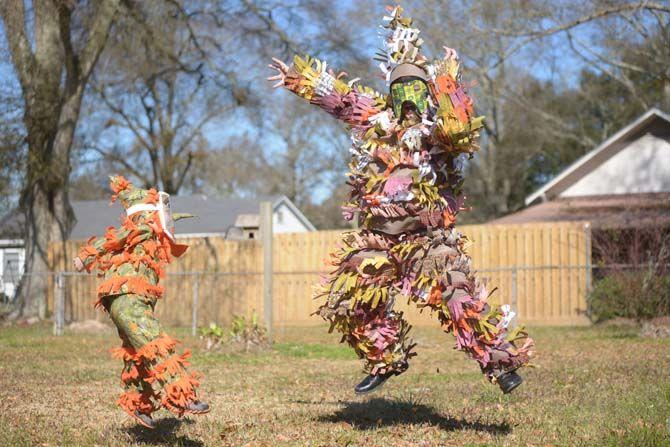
x,y
250,334
213,335
640,295
246,335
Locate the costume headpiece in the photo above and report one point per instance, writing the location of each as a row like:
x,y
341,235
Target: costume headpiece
x,y
402,44
403,63
136,200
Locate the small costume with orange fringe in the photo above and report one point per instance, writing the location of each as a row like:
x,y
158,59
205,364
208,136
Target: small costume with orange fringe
x,y
131,261
406,191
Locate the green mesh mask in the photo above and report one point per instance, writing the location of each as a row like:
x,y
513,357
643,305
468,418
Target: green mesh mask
x,y
411,89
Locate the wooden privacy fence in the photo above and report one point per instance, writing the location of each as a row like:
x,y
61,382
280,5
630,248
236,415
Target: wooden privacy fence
x,y
542,270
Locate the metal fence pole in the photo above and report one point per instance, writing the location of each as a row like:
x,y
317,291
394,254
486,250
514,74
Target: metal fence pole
x,y
194,314
589,255
266,231
59,304
515,307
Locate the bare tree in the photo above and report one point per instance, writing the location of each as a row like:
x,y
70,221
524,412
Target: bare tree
x,y
53,62
522,57
12,147
308,152
296,153
164,81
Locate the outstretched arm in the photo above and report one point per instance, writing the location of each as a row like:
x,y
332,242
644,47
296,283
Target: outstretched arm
x,y
310,79
89,254
456,124
96,248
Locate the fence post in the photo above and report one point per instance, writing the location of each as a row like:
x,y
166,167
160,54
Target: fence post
x,y
59,304
589,267
194,311
266,232
515,307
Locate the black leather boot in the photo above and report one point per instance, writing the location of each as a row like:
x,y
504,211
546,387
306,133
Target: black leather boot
x,y
197,407
371,382
144,419
509,381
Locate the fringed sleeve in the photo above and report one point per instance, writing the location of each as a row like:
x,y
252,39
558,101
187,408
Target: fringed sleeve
x,y
352,104
92,251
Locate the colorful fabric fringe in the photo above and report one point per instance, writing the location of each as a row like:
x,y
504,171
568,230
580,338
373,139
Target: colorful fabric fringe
x,y
406,189
131,261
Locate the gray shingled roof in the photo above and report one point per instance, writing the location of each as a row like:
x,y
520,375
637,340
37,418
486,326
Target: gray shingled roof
x,y
213,215
11,225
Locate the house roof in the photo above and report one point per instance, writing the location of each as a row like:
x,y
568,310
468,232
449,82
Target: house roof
x,y
597,156
248,221
214,215
11,225
603,211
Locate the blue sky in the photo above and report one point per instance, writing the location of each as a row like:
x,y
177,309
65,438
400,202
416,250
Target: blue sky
x,y
257,72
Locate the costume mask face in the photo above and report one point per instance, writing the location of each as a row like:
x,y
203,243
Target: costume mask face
x,y
164,212
412,89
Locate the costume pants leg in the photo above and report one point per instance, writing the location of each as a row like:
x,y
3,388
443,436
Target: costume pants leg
x,y
360,303
442,280
153,374
431,270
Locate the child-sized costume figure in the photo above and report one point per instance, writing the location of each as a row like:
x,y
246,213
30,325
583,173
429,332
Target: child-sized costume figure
x,y
131,259
406,189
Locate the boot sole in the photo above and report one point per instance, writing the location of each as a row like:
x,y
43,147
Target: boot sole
x,y
197,412
142,423
513,387
377,388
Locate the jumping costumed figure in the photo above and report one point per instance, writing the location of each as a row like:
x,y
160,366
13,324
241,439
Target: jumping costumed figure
x,y
131,260
406,190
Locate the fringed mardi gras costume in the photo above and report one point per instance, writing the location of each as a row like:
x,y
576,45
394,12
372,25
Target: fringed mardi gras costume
x,y
131,260
406,184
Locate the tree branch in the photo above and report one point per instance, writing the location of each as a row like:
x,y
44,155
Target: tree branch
x,y
119,111
14,17
599,14
71,59
182,176
109,155
622,79
98,36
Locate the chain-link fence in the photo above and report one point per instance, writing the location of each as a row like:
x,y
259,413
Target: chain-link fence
x,y
190,298
538,294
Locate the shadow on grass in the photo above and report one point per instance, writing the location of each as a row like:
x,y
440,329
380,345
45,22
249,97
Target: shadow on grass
x,y
380,412
164,433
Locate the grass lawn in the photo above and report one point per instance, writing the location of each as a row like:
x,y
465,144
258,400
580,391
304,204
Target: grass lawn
x,y
591,387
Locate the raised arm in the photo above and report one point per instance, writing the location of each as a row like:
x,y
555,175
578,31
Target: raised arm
x,y
456,125
311,79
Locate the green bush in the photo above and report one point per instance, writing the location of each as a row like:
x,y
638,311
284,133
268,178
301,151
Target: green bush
x,y
638,295
244,334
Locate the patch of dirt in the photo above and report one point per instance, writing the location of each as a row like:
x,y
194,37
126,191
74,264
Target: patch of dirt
x,y
28,322
88,327
661,321
619,322
658,327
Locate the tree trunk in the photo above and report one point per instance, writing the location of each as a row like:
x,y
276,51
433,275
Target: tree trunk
x,y
52,78
45,199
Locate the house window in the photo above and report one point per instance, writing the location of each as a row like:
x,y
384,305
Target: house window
x,y
11,268
251,235
280,217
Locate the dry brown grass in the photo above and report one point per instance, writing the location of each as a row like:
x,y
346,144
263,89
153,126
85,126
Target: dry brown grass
x,y
592,386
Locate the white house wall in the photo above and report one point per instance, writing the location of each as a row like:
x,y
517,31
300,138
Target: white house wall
x,y
288,223
9,284
641,167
